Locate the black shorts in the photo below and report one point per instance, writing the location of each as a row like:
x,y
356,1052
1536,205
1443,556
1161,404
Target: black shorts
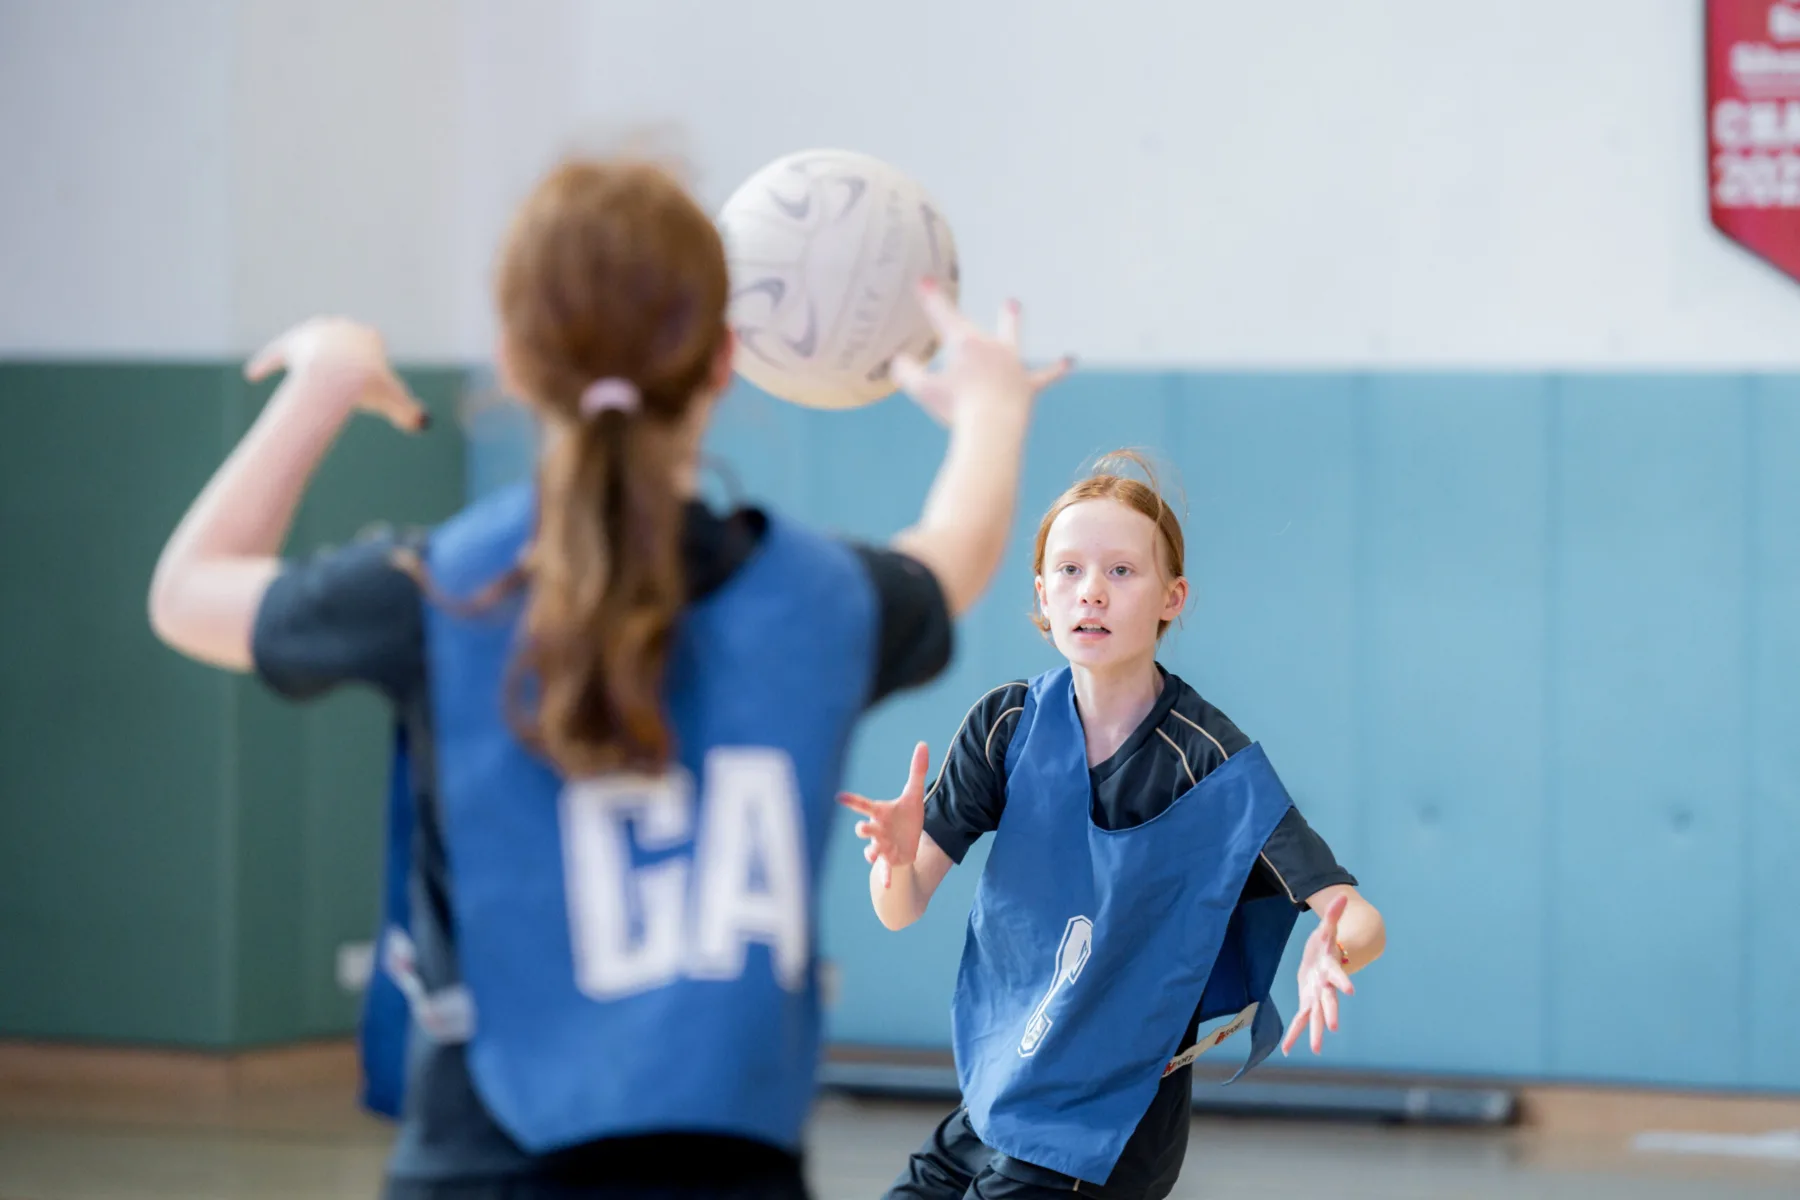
x,y
954,1164
654,1167
532,1188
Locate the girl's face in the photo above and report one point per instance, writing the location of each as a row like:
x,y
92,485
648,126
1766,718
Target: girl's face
x,y
1103,589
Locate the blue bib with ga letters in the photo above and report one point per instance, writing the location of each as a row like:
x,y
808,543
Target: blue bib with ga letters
x,y
1088,950
637,952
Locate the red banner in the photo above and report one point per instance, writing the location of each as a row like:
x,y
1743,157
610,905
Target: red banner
x,y
1753,125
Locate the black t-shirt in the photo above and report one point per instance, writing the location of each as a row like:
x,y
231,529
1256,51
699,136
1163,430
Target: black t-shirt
x,y
1180,741
351,615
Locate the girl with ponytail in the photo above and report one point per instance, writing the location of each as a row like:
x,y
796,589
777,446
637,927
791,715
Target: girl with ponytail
x,y
625,714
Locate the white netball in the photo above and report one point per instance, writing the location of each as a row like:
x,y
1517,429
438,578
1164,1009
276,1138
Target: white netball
x,y
826,249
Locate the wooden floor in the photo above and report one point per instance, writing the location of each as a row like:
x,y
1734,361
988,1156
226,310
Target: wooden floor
x,y
72,1135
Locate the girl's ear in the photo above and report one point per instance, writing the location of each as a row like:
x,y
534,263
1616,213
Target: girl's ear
x,y
1177,599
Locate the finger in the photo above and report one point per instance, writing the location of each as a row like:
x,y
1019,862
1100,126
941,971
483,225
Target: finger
x,y
941,311
1328,1004
884,872
1007,327
390,398
1339,978
856,803
267,360
1328,925
865,829
871,852
1317,1027
1293,1030
1056,372
909,374
915,774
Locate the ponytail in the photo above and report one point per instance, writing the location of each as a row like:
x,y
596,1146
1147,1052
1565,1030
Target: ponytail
x,y
612,291
606,587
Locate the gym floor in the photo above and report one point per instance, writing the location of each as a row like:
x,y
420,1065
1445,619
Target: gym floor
x,y
306,1141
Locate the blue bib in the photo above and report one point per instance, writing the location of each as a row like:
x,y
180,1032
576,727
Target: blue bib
x,y
386,1016
638,952
1088,950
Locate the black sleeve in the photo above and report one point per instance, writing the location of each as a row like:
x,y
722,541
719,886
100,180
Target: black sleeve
x,y
915,637
1295,862
346,615
970,792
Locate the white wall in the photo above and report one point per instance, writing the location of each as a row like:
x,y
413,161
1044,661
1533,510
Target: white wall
x,y
184,178
1202,182
115,149
346,177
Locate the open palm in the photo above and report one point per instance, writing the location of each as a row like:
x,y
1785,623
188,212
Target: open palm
x,y
892,827
1322,978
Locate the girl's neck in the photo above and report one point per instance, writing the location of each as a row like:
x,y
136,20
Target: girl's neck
x,y
1113,703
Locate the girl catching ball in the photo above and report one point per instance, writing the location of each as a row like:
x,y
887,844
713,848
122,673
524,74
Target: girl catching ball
x,y
1146,871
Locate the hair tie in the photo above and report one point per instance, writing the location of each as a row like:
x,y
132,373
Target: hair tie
x,y
620,395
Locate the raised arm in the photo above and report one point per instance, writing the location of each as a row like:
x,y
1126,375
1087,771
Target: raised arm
x,y
985,395
906,864
915,838
210,579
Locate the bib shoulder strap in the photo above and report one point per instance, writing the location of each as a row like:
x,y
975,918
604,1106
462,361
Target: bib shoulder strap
x,y
482,541
1026,711
1035,690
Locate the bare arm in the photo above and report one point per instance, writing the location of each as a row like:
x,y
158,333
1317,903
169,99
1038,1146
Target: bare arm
x,y
213,572
911,887
906,865
986,396
961,534
1349,937
1361,932
907,862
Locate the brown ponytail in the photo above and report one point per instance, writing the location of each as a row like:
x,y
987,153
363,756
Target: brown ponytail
x,y
610,271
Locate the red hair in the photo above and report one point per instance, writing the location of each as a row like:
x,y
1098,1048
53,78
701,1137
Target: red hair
x,y
1105,482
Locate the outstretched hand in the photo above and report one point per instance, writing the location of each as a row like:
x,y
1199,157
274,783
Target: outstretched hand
x,y
892,827
979,367
1322,978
